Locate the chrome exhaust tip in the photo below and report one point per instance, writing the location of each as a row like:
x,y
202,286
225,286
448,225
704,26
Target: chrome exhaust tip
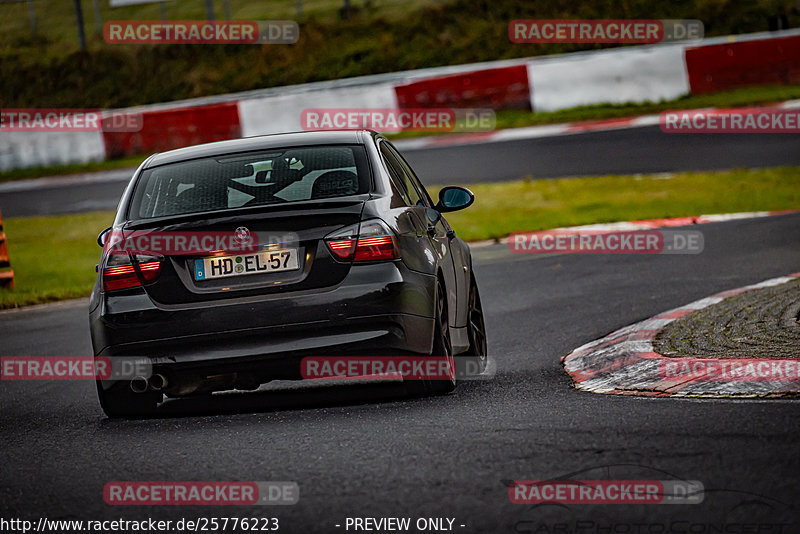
x,y
158,382
139,384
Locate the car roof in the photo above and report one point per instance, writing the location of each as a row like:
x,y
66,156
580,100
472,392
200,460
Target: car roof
x,y
262,142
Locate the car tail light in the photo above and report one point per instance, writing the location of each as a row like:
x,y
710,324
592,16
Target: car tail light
x,y
373,241
121,272
343,249
376,248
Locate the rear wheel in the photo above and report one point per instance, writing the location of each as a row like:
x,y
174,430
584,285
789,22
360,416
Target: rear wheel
x,y
473,362
442,348
120,401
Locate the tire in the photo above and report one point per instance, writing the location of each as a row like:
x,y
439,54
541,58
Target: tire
x,y
442,348
475,359
120,401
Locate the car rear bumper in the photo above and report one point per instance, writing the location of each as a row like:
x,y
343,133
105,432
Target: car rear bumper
x,y
378,309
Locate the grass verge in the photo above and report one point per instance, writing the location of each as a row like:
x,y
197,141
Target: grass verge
x,y
54,257
502,208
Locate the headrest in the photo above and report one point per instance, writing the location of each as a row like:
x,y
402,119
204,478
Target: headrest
x,y
335,184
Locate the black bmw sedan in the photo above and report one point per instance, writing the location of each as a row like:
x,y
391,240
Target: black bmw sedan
x,y
346,255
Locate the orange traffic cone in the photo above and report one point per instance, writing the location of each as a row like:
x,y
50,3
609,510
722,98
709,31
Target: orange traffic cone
x,y
6,276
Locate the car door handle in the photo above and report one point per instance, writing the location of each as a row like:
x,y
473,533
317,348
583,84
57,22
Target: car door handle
x,y
431,230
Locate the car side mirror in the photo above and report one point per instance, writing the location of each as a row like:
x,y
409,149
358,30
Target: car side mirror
x,y
454,198
101,239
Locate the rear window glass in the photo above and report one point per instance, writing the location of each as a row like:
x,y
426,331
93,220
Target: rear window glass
x,y
253,179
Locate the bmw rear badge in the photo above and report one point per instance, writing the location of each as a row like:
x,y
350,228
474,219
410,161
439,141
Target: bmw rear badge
x,y
242,234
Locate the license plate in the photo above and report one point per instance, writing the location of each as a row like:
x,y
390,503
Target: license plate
x,y
272,261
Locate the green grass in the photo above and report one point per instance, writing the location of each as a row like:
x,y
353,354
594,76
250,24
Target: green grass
x,y
502,208
54,257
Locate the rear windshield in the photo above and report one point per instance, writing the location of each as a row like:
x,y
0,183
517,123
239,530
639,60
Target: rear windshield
x,y
253,179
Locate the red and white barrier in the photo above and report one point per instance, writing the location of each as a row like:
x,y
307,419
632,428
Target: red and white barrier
x,y
497,88
174,128
724,66
282,112
616,76
647,73
20,150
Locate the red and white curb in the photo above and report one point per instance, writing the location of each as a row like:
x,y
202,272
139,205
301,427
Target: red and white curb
x,y
555,130
624,363
646,224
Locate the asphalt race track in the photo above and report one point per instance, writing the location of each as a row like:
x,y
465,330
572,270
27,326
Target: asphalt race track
x,y
362,450
626,151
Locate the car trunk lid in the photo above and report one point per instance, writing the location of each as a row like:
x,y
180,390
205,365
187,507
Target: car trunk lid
x,y
287,252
